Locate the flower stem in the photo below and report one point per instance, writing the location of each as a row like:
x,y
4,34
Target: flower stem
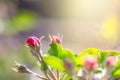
x,y
57,74
40,59
35,74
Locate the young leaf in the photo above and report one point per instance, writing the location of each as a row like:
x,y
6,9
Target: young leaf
x,y
55,49
90,51
113,53
102,56
54,62
66,53
116,71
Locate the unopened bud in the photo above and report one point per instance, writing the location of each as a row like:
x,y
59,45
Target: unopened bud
x,y
20,68
68,66
110,61
33,42
90,63
56,39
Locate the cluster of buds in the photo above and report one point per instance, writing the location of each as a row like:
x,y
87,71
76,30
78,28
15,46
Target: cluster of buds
x,y
35,47
55,39
90,63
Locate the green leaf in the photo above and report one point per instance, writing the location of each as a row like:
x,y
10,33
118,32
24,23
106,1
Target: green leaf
x,y
114,53
116,71
54,62
58,51
55,49
23,20
97,71
102,56
90,51
66,53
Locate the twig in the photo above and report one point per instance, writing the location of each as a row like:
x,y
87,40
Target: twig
x,y
35,74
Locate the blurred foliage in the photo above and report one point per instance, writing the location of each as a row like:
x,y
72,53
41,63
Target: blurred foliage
x,y
20,54
116,72
110,28
22,21
101,55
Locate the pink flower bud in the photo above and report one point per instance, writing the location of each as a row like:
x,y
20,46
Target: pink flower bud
x,y
68,65
90,63
56,39
32,41
110,61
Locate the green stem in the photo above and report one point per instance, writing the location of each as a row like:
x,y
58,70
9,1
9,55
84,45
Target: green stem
x,y
57,75
42,61
62,76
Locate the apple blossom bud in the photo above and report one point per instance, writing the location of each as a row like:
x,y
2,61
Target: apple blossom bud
x,y
110,61
33,41
68,66
56,39
90,63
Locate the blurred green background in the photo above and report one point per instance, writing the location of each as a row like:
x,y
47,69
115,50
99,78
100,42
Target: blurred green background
x,y
83,24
